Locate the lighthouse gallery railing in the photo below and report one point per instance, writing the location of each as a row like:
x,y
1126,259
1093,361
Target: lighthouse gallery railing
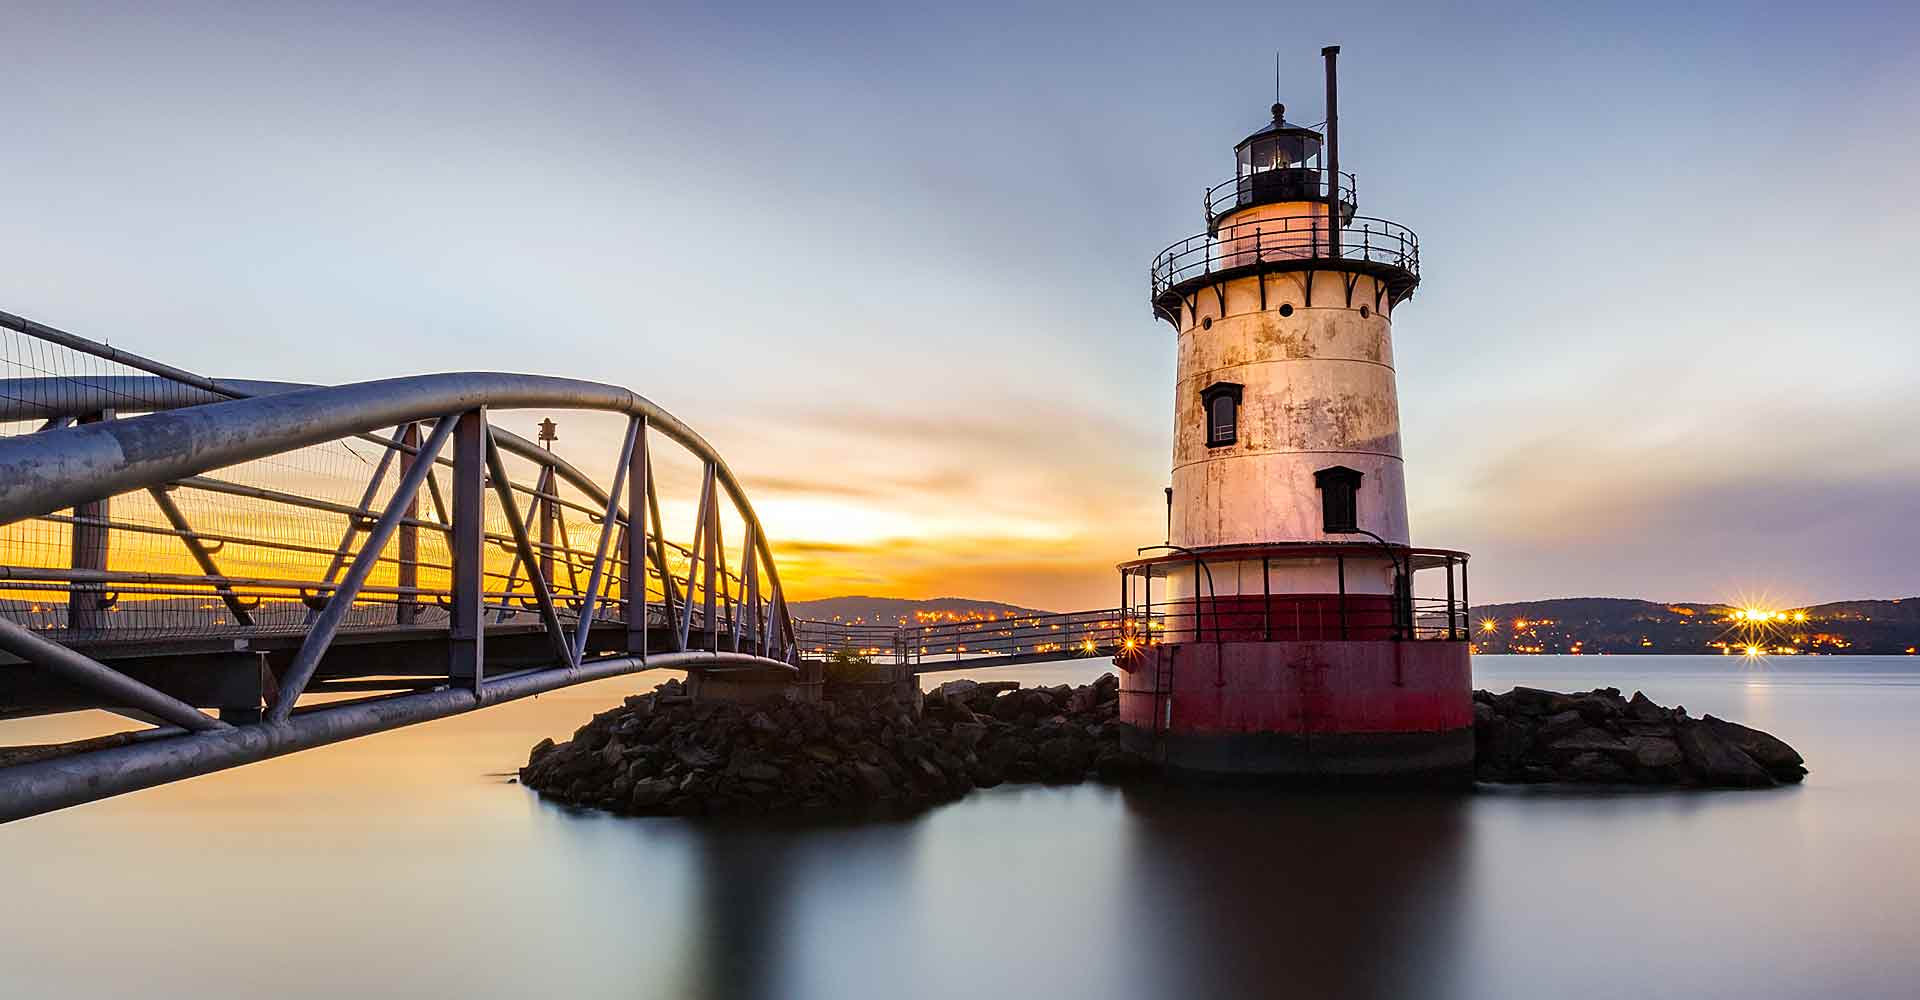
x,y
1285,240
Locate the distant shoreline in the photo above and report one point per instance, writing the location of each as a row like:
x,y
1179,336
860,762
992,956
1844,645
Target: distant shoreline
x,y
1617,626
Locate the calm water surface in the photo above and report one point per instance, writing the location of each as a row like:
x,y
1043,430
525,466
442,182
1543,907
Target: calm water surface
x,y
406,865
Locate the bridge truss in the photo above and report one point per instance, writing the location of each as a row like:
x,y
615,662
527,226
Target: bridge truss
x,y
254,568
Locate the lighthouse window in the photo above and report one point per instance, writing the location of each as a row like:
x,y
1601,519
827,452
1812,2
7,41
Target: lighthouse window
x,y
1220,402
1339,503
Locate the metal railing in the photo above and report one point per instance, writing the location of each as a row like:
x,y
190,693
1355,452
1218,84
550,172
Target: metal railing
x,y
1155,616
945,645
1285,240
1268,186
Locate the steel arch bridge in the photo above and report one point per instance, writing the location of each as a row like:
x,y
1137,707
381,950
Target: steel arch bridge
x,y
316,563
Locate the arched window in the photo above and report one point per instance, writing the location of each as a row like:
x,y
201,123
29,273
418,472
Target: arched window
x,y
1220,405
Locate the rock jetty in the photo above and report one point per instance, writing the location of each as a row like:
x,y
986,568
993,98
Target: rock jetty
x,y
857,750
1599,737
863,750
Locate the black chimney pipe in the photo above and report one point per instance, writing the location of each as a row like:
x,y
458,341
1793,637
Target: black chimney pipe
x,y
1333,153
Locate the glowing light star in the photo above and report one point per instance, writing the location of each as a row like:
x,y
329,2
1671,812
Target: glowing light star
x,y
1753,651
1489,625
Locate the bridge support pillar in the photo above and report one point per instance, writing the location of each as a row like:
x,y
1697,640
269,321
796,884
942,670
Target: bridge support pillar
x,y
747,687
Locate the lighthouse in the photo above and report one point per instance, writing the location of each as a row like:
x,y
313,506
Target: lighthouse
x,y
1288,626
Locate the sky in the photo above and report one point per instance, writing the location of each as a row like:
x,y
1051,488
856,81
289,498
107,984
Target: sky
x,y
892,261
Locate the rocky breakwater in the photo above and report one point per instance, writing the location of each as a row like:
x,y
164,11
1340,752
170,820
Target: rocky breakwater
x,y
1599,737
854,751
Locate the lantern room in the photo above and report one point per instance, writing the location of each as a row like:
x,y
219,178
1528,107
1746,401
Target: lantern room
x,y
1279,146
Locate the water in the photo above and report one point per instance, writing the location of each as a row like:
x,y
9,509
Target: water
x,y
405,865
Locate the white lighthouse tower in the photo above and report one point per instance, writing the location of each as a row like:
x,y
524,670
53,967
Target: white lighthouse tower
x,y
1278,631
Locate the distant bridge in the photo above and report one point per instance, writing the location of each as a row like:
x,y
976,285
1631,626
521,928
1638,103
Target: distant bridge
x,y
967,644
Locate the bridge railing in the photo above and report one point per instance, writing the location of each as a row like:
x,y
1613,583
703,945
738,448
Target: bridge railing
x,y
258,546
942,645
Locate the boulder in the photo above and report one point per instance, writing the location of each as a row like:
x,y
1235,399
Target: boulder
x,y
873,779
1654,751
1766,750
1601,706
1588,740
651,792
1009,707
1533,701
1593,767
1064,758
956,690
695,756
987,691
1715,761
1559,725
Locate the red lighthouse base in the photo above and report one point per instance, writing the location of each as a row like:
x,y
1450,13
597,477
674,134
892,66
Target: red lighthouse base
x,y
1367,709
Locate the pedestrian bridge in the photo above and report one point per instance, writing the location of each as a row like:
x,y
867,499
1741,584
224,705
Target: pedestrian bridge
x,y
254,568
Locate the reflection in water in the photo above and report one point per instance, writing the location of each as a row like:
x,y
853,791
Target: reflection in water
x,y
396,866
1310,895
740,906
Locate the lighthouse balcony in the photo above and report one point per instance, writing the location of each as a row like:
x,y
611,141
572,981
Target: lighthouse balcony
x,y
1278,186
1376,247
1305,592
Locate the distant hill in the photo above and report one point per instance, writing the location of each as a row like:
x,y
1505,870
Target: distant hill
x,y
1561,625
1626,625
904,611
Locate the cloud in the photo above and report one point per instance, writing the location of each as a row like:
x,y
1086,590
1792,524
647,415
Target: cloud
x,y
1804,502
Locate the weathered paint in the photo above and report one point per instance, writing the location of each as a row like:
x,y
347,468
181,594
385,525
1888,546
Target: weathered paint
x,y
1318,390
1272,232
1365,574
1326,686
